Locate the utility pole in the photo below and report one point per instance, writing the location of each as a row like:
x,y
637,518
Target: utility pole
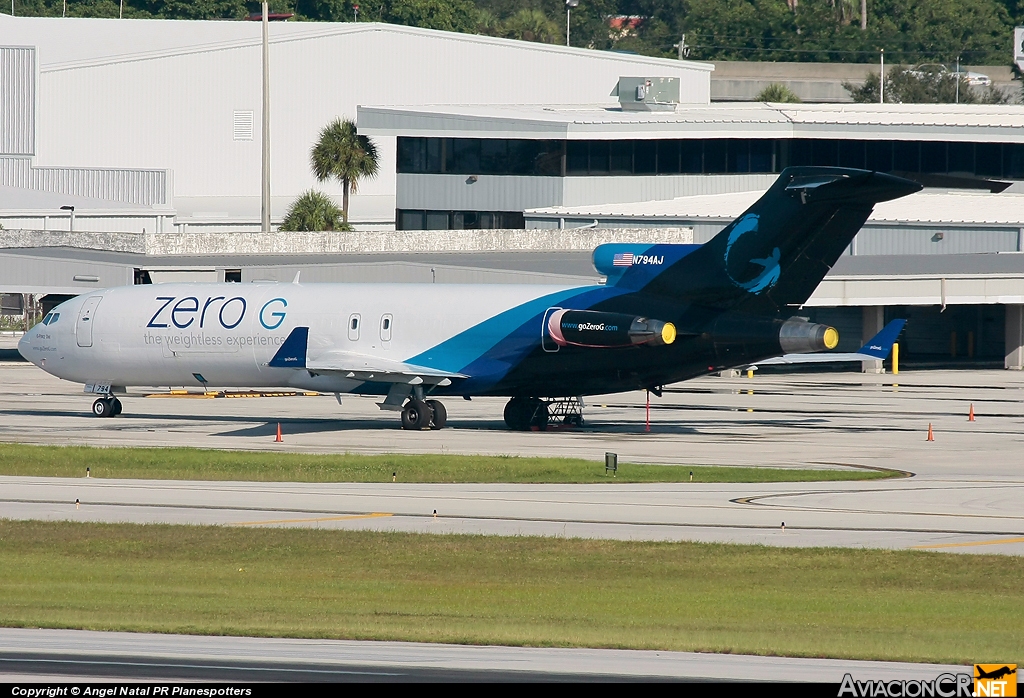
x,y
863,15
682,49
265,197
881,81
958,79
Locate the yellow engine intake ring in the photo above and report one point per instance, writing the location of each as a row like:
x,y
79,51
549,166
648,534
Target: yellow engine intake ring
x,y
831,338
668,333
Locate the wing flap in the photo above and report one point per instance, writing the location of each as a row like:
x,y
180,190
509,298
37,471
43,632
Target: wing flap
x,y
360,367
374,368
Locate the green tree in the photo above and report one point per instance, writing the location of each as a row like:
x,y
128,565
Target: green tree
x,y
313,211
341,153
531,25
446,15
929,84
777,92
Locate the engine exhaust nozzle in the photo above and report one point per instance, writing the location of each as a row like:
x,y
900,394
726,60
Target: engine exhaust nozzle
x,y
798,336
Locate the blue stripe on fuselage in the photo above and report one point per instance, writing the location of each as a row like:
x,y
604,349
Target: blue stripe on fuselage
x,y
474,353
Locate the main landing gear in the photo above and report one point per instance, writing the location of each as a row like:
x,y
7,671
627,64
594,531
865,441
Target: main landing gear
x,y
422,414
106,407
529,413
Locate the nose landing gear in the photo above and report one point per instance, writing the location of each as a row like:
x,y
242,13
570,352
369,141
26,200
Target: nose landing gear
x,y
106,407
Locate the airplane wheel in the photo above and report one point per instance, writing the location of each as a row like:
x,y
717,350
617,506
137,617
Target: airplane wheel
x,y
439,415
516,417
116,408
102,407
416,415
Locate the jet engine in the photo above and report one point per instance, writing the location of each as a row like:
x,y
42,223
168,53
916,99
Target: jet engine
x,y
591,328
798,336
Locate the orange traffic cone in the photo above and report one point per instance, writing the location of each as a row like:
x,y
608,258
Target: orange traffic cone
x,y
931,436
970,415
279,440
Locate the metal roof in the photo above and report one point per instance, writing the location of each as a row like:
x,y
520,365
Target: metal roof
x,y
975,122
79,41
923,207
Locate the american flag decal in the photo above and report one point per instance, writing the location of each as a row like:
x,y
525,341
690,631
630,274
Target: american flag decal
x,y
622,260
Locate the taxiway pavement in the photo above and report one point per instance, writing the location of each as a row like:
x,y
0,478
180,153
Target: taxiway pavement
x,y
85,655
964,496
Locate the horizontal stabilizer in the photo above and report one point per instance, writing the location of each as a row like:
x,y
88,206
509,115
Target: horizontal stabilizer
x,y
292,353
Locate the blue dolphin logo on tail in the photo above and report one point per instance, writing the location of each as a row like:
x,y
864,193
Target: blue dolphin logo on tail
x,y
771,269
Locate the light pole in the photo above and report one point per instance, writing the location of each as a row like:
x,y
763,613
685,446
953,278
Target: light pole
x,y
71,227
355,13
265,188
569,4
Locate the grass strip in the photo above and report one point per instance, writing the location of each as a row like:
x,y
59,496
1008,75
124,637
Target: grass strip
x,y
818,602
255,466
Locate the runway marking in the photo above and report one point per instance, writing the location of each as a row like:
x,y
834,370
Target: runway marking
x,y
374,515
967,545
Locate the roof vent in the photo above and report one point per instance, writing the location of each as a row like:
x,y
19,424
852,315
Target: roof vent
x,y
647,94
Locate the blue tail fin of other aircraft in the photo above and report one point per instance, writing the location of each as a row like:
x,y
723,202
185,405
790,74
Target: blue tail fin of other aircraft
x,y
880,345
292,353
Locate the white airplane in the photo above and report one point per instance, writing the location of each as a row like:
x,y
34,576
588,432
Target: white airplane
x,y
667,313
877,348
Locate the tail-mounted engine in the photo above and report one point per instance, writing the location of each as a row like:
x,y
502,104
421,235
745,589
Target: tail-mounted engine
x,y
589,328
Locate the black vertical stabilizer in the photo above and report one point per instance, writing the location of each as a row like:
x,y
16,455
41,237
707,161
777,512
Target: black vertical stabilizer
x,y
779,250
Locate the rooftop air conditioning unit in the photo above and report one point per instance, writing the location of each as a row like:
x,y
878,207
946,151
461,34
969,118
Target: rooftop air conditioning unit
x,y
647,94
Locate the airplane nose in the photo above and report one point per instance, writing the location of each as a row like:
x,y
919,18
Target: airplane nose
x,y
25,347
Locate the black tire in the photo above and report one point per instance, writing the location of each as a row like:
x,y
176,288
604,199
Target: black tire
x,y
116,409
416,415
439,415
102,407
516,418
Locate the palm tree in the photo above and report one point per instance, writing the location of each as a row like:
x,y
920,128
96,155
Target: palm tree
x,y
343,154
313,211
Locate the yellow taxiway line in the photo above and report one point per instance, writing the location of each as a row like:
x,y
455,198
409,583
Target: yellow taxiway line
x,y
1001,541
374,515
220,394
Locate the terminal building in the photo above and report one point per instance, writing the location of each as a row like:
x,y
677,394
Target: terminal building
x,y
153,126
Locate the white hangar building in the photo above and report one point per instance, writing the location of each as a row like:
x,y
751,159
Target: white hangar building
x,y
156,124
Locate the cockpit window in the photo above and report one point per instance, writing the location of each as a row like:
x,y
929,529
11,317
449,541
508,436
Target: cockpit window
x,y
51,318
56,316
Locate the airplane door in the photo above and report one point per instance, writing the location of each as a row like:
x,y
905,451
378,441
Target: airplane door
x,y
86,319
386,321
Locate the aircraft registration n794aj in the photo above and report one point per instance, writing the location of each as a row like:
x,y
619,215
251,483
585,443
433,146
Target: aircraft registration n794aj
x,y
667,313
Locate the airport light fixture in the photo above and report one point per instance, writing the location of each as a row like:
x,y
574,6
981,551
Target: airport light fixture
x,y
569,4
265,193
71,228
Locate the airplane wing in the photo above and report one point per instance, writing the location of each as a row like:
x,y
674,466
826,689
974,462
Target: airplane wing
x,y
877,348
362,367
